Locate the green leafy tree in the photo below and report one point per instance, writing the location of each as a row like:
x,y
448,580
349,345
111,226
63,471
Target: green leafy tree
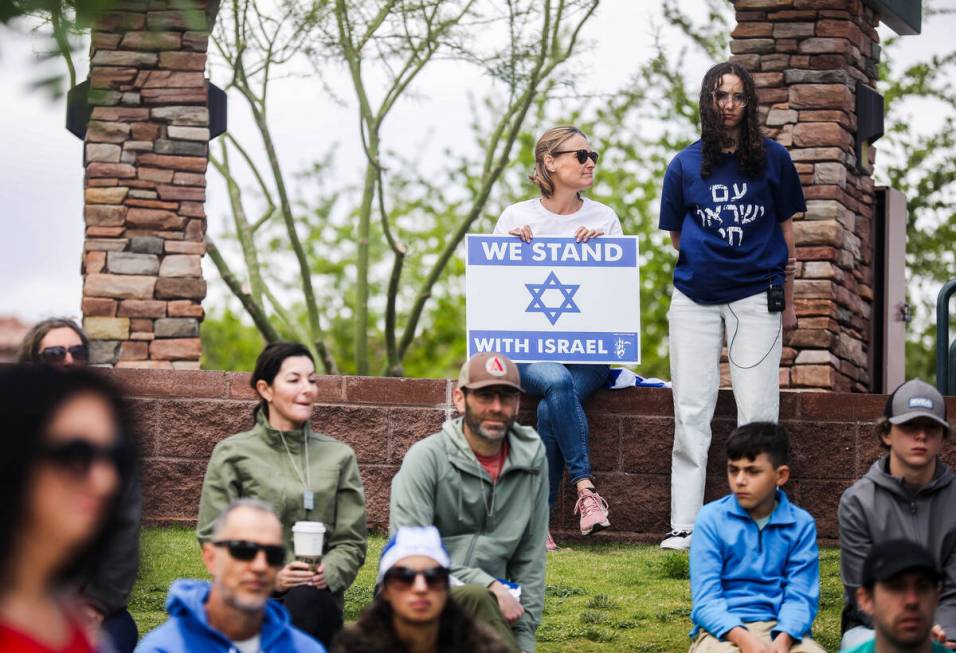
x,y
228,342
82,10
396,40
637,128
61,26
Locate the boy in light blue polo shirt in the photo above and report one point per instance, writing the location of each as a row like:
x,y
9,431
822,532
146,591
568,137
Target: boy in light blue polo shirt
x,y
754,567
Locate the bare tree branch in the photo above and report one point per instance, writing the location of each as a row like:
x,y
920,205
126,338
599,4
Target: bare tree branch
x,y
257,105
59,35
549,56
394,39
241,223
417,52
253,308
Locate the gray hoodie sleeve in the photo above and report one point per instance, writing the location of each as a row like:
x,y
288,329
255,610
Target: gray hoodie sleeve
x,y
946,612
348,541
855,543
527,566
412,503
220,486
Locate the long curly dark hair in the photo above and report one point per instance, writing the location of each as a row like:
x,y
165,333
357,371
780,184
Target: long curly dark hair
x,y
457,633
750,148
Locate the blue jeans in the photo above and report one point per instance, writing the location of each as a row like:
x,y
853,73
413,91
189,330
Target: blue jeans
x,y
562,424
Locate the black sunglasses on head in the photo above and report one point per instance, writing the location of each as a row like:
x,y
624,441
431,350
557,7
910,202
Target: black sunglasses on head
x,y
58,354
581,155
404,577
77,455
245,550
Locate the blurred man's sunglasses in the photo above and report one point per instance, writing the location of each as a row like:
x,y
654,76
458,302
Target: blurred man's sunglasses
x,y
246,551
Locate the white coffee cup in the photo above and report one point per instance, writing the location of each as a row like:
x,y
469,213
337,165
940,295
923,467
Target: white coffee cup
x,y
308,538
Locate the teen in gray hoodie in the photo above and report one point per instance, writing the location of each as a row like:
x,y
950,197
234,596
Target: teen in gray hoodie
x,y
909,493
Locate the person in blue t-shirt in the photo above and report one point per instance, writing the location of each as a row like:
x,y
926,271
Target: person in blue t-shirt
x,y
727,201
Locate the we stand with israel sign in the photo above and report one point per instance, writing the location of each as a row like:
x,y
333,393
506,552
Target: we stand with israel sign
x,y
554,299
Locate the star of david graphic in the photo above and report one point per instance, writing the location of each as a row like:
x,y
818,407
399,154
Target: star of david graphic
x,y
537,304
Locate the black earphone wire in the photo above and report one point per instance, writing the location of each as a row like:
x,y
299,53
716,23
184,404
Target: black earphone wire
x,y
730,347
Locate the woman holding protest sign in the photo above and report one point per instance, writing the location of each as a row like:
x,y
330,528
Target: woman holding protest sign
x,y
727,202
563,168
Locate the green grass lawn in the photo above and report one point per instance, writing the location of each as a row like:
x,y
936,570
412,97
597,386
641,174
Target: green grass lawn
x,y
600,597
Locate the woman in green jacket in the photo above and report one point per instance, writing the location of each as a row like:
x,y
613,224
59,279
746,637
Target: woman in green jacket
x,y
305,476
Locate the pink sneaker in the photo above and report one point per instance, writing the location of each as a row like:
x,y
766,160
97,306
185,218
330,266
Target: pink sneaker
x,y
593,510
549,544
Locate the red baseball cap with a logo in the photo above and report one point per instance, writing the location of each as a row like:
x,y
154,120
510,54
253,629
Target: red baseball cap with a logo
x,y
489,368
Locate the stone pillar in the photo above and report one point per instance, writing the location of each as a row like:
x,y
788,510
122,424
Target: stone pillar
x,y
145,154
807,57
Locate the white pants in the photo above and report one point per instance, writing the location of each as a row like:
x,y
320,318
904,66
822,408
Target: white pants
x,y
754,340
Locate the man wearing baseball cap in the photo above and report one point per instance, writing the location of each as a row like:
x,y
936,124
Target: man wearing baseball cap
x,y
908,493
483,482
900,593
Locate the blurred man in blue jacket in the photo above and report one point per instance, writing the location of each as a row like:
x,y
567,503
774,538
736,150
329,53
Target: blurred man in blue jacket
x,y
233,614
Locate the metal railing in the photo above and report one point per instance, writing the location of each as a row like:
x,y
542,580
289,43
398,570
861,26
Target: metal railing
x,y
945,351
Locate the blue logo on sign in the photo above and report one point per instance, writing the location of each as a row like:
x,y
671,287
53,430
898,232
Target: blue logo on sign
x,y
537,304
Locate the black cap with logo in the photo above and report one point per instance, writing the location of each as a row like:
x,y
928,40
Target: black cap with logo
x,y
892,557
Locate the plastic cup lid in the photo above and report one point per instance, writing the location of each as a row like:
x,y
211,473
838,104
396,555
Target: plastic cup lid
x,y
308,527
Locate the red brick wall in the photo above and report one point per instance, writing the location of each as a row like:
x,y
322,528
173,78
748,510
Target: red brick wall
x,y
184,414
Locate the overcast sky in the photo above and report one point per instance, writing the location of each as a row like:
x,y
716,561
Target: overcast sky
x,y
41,173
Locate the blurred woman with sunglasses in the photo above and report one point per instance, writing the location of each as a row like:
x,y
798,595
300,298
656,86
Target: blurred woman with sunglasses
x,y
727,201
67,454
564,168
304,476
413,612
60,342
57,341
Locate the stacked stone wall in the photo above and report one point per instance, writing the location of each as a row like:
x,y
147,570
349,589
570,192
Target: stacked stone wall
x,y
145,156
184,414
807,57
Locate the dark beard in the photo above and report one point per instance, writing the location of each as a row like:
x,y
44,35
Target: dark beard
x,y
473,422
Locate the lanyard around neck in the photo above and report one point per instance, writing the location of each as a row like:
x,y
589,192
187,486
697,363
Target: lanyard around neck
x,y
307,495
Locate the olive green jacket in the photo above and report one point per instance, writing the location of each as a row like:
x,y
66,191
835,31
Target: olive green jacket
x,y
491,531
254,464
